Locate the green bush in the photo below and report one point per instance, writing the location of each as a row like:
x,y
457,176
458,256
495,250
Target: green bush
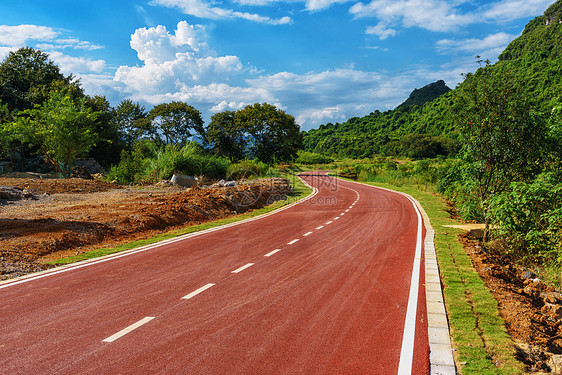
x,y
132,165
308,158
455,182
529,218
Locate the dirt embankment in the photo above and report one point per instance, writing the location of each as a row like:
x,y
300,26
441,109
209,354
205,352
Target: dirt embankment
x,y
532,310
58,218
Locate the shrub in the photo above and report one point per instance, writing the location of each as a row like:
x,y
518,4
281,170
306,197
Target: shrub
x,y
308,158
529,216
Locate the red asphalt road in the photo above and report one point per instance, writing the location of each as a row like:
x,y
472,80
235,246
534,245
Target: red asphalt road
x,y
334,302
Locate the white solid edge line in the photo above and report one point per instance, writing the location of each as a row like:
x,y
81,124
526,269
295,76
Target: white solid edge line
x,y
106,258
292,242
320,227
243,268
130,328
307,234
196,292
407,350
271,253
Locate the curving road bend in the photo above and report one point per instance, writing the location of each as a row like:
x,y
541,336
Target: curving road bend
x,y
319,288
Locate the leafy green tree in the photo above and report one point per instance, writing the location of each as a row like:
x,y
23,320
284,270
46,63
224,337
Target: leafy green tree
x,y
177,122
62,127
132,121
502,133
273,134
226,137
26,77
108,147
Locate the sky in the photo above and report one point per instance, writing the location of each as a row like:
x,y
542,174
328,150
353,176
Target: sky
x,y
318,60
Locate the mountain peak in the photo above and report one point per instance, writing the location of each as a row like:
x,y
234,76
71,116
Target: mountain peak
x,y
426,94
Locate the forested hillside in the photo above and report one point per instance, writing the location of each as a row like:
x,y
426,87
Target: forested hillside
x,y
531,62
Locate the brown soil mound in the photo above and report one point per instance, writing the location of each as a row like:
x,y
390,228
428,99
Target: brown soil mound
x,y
56,186
59,225
532,311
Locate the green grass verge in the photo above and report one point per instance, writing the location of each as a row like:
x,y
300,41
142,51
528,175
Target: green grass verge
x,y
300,191
479,336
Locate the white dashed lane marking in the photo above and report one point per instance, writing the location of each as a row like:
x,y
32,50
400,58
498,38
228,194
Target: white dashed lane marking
x,y
329,222
320,227
130,328
196,292
243,268
271,253
293,241
307,234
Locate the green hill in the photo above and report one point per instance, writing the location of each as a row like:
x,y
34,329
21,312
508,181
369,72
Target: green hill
x,y
421,128
426,94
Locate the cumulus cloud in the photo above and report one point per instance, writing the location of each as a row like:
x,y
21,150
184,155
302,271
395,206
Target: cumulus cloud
x,y
182,66
173,62
201,9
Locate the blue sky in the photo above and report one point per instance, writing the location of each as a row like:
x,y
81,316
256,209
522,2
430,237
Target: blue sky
x,y
319,60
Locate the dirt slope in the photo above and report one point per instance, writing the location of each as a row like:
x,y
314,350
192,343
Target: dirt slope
x,y
67,217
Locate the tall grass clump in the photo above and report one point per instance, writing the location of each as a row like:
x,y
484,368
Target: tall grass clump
x,y
189,160
248,169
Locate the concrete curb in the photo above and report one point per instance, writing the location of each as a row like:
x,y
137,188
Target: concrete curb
x,y
441,357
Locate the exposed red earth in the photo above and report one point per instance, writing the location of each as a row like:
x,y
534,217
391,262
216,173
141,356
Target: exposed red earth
x,y
320,287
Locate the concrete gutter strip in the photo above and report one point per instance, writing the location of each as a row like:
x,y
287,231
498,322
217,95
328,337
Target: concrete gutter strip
x,y
440,349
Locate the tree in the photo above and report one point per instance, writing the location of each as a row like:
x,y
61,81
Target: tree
x,y
273,134
63,128
131,120
108,148
503,136
176,121
225,136
26,77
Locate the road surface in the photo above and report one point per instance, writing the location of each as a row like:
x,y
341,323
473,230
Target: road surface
x,y
319,288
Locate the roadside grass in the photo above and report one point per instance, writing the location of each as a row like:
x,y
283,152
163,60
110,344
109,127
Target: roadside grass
x,y
300,191
478,332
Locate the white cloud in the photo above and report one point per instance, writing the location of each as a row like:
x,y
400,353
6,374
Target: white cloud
x,y
507,10
433,15
173,62
17,36
381,31
72,43
70,64
316,5
5,51
201,9
489,47
48,40
440,15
